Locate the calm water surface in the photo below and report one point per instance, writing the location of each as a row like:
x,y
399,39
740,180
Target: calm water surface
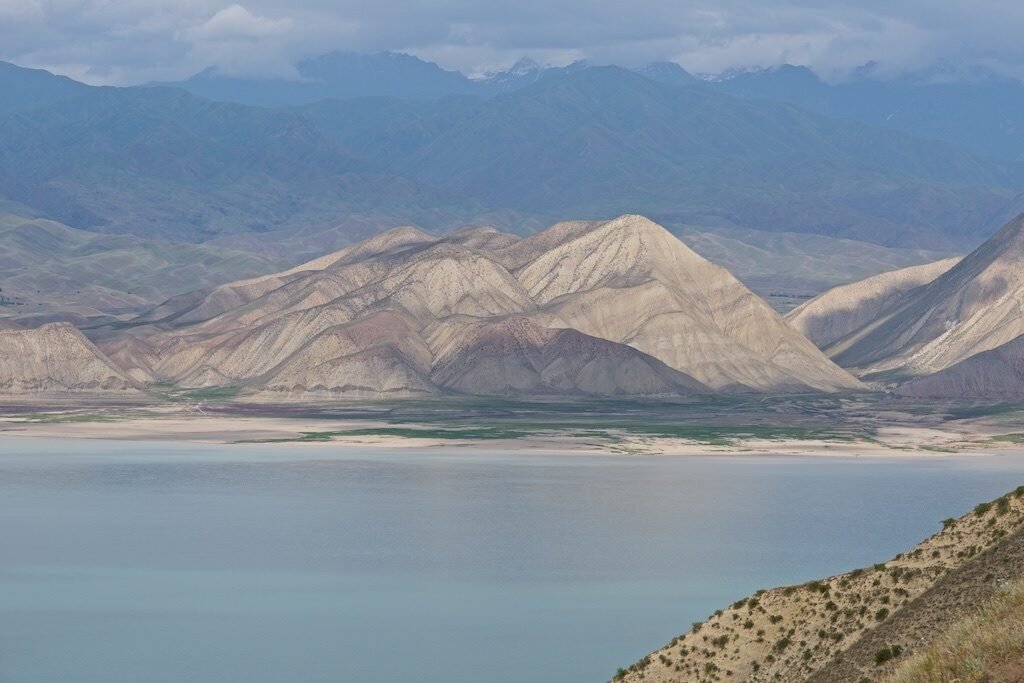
x,y
144,562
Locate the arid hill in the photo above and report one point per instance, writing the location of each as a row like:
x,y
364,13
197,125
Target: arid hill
x,y
857,626
604,308
911,326
56,359
842,310
994,374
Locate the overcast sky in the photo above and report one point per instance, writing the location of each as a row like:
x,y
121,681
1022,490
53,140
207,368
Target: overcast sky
x,y
133,41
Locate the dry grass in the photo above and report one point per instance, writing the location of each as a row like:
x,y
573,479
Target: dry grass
x,y
985,648
785,634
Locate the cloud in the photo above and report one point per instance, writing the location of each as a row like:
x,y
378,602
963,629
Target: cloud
x,y
239,43
130,41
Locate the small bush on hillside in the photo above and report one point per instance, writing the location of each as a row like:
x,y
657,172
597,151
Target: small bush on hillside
x,y
886,654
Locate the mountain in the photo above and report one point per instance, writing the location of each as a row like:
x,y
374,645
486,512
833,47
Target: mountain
x,y
56,359
28,89
47,268
348,75
981,112
867,623
974,306
603,141
842,310
160,163
668,73
593,141
605,308
788,268
336,75
994,374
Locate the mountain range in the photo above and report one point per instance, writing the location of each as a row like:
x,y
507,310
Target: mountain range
x,y
51,270
602,308
587,141
348,75
951,328
978,110
619,307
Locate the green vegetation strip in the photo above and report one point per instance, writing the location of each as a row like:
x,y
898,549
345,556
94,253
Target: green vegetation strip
x,y
611,433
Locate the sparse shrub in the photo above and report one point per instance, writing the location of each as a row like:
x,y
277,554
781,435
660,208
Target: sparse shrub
x,y
882,614
982,508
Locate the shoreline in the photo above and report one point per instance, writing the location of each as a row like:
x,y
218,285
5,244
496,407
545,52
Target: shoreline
x,y
890,441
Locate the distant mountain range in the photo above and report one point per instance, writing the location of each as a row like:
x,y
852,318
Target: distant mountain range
x,y
979,111
605,140
585,141
347,75
983,113
49,270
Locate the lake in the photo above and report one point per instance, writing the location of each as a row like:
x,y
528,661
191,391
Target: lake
x,y
173,562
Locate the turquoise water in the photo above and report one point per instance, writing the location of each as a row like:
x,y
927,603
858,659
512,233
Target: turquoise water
x,y
154,562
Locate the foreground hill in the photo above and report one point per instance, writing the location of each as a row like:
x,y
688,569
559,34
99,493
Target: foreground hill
x,y
987,646
56,359
912,324
614,307
857,626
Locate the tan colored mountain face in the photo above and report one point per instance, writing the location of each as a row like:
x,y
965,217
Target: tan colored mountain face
x,y
974,306
619,307
842,310
996,373
631,281
56,359
517,356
